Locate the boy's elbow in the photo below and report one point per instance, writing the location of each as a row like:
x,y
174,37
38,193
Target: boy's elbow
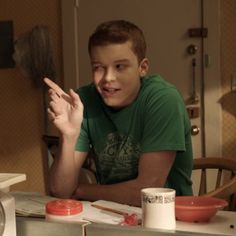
x,y
59,193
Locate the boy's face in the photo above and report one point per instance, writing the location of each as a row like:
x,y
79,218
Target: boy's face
x,y
116,73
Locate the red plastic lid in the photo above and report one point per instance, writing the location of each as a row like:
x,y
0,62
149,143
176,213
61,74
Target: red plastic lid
x,y
64,207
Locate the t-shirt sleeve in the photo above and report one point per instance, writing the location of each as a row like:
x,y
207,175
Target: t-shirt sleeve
x,y
164,123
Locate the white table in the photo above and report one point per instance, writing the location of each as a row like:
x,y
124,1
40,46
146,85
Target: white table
x,y
219,225
223,223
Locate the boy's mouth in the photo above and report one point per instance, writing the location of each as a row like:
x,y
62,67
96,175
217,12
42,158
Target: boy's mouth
x,y
110,91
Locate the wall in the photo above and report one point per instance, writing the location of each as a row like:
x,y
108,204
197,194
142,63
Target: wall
x,y
21,105
228,62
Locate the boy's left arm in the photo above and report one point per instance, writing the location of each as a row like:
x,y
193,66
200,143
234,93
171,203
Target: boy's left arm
x,y
154,168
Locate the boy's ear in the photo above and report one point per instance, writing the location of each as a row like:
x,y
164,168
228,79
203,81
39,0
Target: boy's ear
x,y
143,67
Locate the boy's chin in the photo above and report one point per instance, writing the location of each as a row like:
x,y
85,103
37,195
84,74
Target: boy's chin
x,y
113,104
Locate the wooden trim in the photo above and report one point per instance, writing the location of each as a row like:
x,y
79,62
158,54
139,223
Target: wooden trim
x,y
69,11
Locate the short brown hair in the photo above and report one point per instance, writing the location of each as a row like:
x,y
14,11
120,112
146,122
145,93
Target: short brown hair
x,y
119,31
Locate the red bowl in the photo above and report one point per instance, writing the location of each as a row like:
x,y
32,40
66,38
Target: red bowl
x,y
197,208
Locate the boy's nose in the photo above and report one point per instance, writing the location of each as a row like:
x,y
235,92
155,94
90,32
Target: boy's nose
x,y
109,75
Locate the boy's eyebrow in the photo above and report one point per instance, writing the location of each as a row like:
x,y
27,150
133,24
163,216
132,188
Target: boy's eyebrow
x,y
116,61
95,62
122,60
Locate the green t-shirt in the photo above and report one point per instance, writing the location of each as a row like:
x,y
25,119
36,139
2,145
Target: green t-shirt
x,y
156,121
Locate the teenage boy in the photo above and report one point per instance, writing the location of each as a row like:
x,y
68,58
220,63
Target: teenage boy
x,y
136,125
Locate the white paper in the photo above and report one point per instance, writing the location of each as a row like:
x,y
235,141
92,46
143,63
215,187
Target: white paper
x,y
30,203
33,204
93,214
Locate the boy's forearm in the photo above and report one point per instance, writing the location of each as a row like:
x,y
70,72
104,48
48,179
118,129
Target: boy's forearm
x,y
129,192
62,184
126,193
63,173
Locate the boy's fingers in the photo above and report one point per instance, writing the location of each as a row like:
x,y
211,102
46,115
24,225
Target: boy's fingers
x,y
76,99
51,115
54,86
74,94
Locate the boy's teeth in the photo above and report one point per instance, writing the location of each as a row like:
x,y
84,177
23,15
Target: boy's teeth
x,y
110,90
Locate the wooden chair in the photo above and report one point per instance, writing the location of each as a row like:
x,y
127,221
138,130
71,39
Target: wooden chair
x,y
225,186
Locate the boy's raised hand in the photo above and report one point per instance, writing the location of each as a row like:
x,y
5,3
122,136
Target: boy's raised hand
x,y
65,110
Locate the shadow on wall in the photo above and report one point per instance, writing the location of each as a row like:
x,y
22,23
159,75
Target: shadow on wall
x,y
227,102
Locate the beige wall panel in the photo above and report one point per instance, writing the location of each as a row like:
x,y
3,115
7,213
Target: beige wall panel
x,y
21,105
228,60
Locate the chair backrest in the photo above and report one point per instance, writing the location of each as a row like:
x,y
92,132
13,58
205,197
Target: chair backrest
x,y
225,184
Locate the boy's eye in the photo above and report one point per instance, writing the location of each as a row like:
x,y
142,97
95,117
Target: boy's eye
x,y
120,66
97,68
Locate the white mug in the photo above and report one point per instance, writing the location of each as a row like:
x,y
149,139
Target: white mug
x,y
158,208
